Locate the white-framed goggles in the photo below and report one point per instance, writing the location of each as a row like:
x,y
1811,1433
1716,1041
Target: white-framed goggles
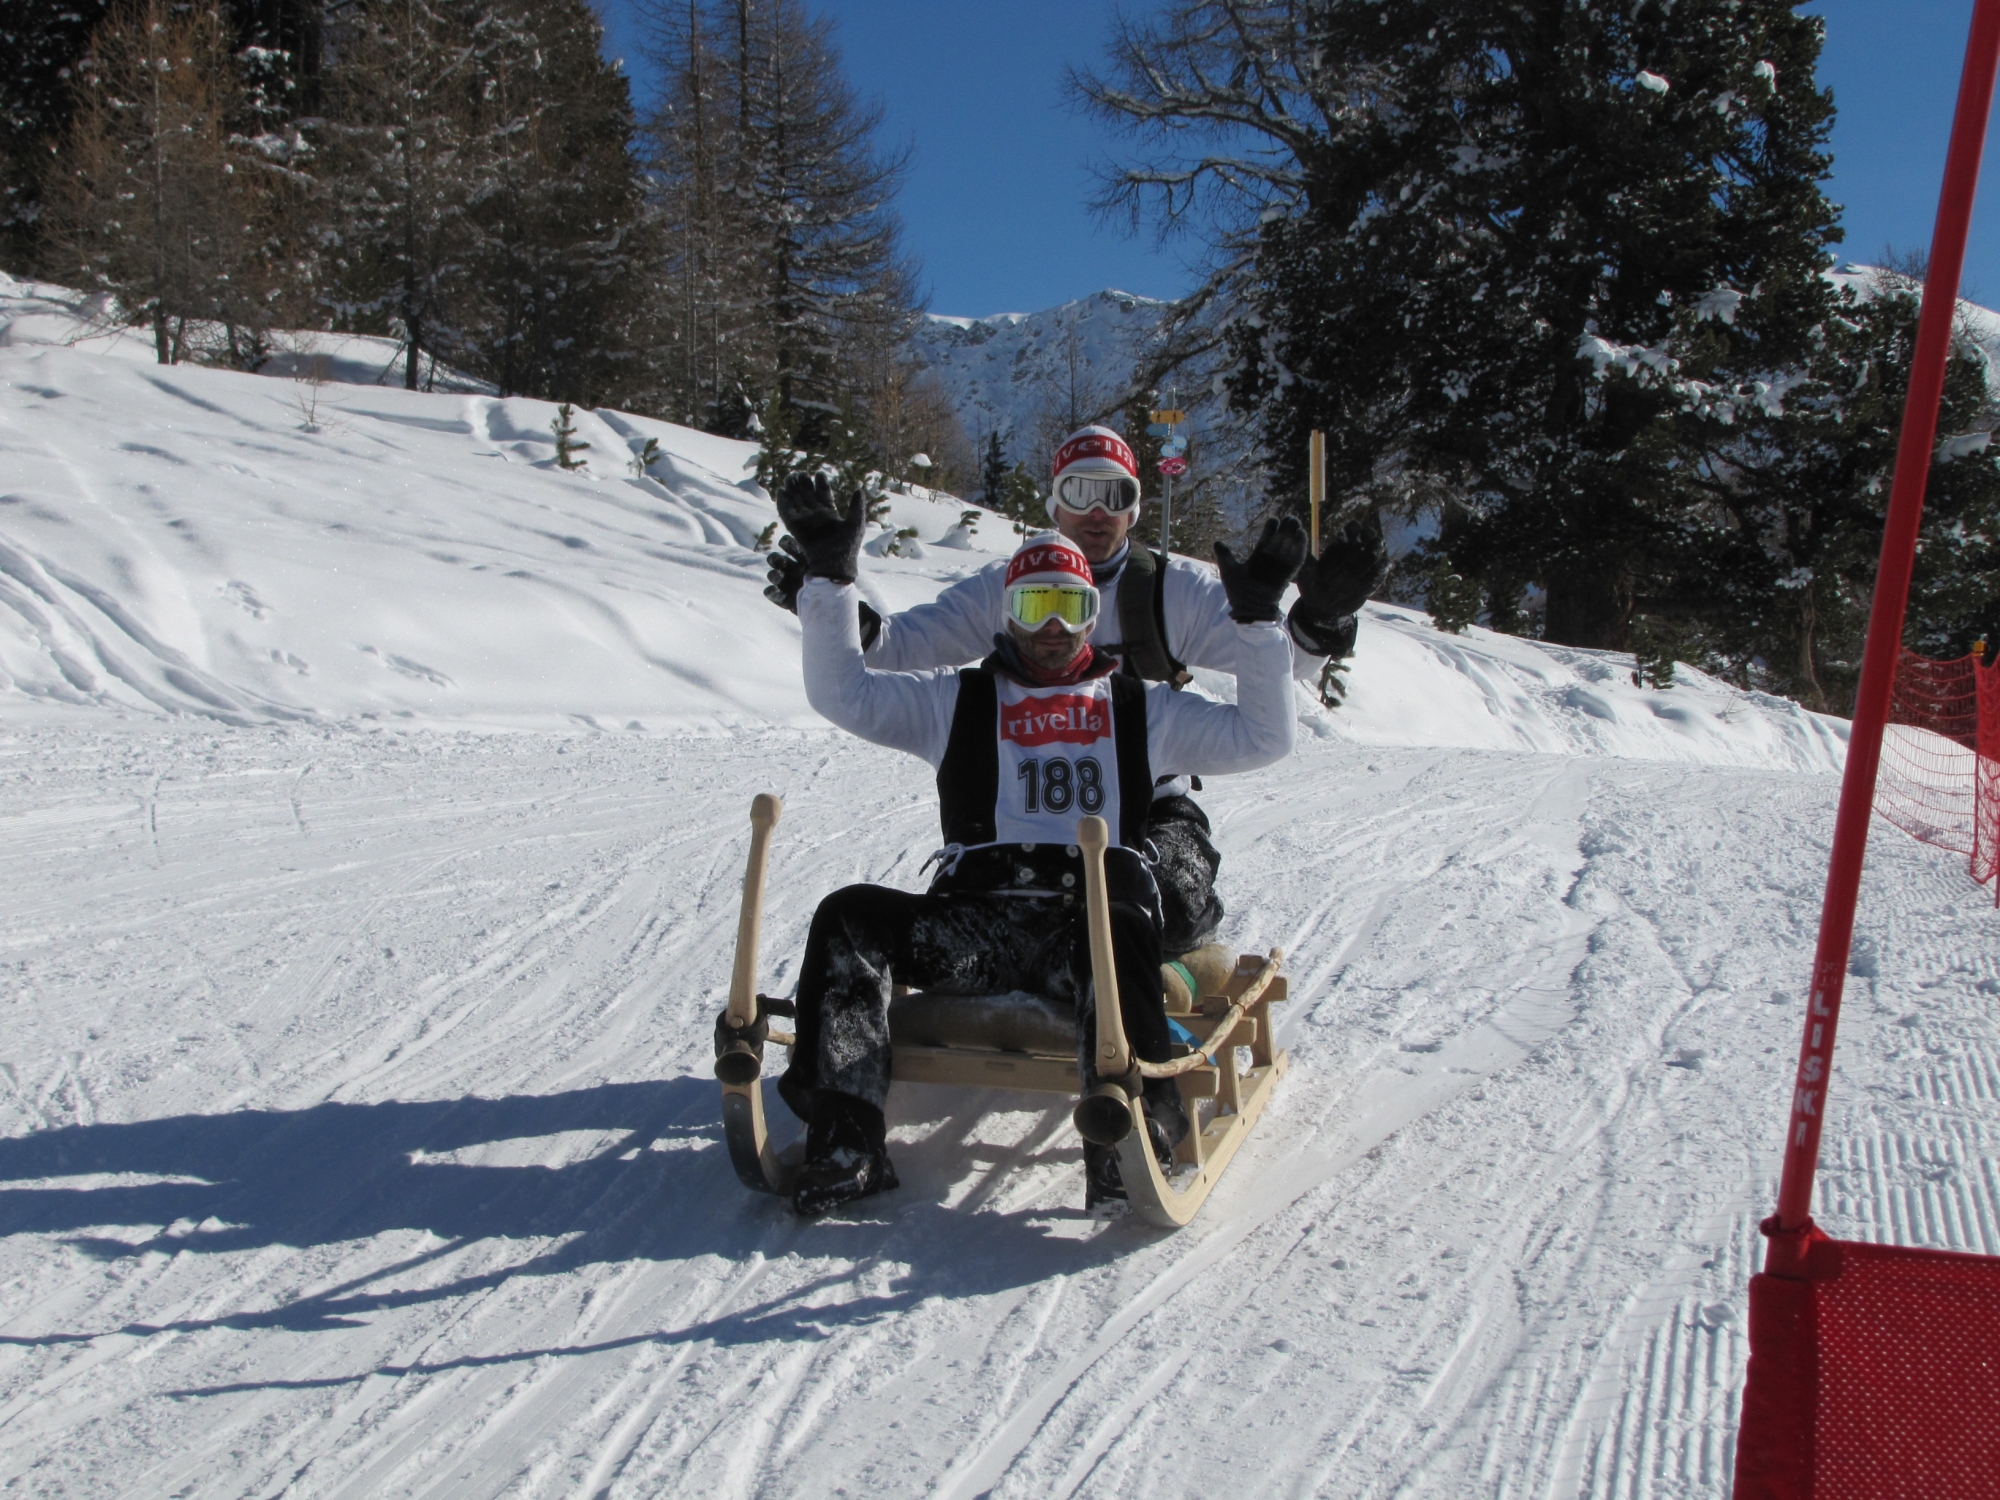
x,y
1116,493
1072,605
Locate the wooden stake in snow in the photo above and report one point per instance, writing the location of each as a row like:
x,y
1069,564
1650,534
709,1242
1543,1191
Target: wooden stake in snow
x,y
1316,481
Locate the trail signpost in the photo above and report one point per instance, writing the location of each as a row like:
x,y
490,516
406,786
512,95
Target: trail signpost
x,y
1173,462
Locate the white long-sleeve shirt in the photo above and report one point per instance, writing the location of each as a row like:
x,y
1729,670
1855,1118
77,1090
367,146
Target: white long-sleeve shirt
x,y
1186,734
957,627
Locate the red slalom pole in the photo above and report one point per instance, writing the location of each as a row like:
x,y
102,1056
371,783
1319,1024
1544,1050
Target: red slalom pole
x,y
1885,635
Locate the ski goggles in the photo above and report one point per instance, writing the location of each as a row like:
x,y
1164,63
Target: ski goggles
x,y
1032,605
1087,492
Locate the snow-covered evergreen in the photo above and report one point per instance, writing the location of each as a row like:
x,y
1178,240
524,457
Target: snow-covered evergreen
x,y
1562,285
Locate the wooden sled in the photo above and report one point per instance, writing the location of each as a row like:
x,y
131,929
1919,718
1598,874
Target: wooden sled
x,y
1022,1041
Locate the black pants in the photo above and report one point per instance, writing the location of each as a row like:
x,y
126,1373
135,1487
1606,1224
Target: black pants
x,y
865,938
1189,908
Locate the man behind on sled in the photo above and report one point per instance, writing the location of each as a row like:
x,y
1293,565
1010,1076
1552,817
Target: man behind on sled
x,y
1039,734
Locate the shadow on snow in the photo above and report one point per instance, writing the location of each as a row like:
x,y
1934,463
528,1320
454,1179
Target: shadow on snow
x,y
344,1172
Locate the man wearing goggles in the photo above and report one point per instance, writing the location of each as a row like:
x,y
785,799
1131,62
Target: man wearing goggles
x,y
1158,615
1094,492
1043,731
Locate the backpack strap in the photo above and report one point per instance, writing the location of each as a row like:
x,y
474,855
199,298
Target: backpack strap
x,y
1135,766
1142,619
968,778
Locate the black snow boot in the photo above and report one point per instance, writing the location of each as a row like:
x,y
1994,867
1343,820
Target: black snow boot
x,y
847,1154
1104,1184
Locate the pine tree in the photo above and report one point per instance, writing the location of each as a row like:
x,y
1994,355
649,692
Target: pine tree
x,y
40,46
1777,562
1021,502
479,198
992,472
1474,230
782,246
898,410
285,40
778,456
556,239
816,199
563,425
402,157
693,145
155,198
43,47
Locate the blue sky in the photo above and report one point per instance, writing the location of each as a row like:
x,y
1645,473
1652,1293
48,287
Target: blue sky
x,y
995,206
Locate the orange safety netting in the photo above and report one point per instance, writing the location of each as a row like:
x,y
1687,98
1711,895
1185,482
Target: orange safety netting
x,y
1940,776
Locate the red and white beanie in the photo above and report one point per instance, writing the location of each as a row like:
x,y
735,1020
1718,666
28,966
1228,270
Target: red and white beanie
x,y
1049,558
1097,451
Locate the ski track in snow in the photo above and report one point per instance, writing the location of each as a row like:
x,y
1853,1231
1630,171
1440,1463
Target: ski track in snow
x,y
359,1139
373,826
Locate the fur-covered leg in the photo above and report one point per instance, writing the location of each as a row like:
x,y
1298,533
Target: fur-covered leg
x,y
1190,910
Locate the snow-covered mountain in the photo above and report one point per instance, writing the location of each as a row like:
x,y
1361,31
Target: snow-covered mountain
x,y
1027,376
370,851
1006,373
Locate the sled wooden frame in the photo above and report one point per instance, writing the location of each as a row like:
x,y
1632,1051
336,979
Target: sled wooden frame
x,y
1240,1017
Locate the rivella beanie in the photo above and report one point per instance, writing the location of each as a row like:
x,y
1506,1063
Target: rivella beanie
x,y
1095,451
1049,558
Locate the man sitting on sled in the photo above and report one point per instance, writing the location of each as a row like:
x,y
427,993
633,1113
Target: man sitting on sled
x,y
1040,733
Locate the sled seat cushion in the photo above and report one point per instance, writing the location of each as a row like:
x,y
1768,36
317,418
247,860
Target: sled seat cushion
x,y
1014,1022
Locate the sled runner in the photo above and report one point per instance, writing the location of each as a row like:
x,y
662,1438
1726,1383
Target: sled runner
x,y
1027,1042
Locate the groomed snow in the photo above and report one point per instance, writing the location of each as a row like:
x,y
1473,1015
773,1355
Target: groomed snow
x,y
357,1136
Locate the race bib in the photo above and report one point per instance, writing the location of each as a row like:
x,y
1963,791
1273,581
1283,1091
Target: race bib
x,y
1058,761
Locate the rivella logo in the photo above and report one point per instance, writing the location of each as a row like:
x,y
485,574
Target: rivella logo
x,y
1058,557
1096,443
1059,718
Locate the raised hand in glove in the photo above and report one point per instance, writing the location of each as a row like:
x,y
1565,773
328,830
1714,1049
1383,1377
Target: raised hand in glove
x,y
830,542
1332,586
1254,583
787,575
1348,569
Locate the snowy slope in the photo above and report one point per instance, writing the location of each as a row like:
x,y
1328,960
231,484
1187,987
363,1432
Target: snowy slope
x,y
357,1136
175,541
181,540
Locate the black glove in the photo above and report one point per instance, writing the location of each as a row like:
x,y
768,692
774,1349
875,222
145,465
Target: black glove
x,y
831,541
787,575
1254,583
1349,568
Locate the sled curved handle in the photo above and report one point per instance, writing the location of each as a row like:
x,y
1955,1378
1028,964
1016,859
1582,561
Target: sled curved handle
x,y
765,809
1114,1055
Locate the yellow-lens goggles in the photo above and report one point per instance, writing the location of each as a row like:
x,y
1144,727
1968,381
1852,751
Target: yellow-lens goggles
x,y
1033,604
